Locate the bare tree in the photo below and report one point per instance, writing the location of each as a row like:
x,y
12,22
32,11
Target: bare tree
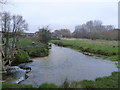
x,y
18,26
5,25
93,30
11,27
109,27
44,35
63,32
3,1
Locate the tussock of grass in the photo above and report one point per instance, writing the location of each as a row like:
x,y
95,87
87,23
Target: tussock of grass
x,y
104,82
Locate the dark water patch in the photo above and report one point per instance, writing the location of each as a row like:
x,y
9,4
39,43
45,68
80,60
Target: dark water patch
x,y
16,74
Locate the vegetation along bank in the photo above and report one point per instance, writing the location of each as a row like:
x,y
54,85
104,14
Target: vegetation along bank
x,y
104,82
102,48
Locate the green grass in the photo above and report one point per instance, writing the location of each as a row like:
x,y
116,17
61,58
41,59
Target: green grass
x,y
26,42
26,48
48,85
105,48
21,57
104,82
22,42
37,49
11,85
92,46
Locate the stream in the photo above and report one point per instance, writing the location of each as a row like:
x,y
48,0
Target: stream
x,y
64,63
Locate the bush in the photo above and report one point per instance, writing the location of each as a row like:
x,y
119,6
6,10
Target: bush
x,y
48,85
39,51
44,35
87,84
21,57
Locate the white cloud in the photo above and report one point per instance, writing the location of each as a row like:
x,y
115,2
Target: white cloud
x,y
64,14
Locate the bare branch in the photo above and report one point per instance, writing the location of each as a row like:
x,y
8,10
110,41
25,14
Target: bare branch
x,y
3,1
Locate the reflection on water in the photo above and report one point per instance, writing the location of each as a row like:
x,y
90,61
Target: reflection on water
x,y
65,63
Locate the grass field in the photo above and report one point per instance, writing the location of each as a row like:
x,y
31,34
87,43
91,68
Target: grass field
x,y
106,49
26,42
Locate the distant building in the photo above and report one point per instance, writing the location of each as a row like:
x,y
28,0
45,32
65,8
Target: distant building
x,y
28,34
56,36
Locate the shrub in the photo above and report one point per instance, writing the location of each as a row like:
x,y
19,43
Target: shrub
x,y
39,51
21,56
48,85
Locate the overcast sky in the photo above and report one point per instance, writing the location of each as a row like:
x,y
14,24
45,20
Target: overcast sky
x,y
60,14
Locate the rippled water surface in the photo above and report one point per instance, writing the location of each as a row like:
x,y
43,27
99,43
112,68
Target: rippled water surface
x,y
65,63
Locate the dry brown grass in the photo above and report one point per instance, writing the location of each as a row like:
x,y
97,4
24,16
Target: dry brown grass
x,y
73,39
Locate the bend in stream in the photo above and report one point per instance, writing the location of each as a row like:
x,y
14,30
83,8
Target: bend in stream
x,y
65,63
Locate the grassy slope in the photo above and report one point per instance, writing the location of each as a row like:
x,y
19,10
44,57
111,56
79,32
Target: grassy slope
x,y
109,47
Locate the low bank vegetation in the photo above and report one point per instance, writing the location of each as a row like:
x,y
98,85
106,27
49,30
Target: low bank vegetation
x,y
29,49
104,48
104,82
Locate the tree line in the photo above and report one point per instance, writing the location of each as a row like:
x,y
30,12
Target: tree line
x,y
91,30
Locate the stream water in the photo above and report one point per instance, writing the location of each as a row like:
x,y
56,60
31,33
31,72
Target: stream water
x,y
65,63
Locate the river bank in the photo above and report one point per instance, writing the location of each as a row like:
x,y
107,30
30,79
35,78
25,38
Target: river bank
x,y
26,49
65,67
100,48
104,82
49,67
